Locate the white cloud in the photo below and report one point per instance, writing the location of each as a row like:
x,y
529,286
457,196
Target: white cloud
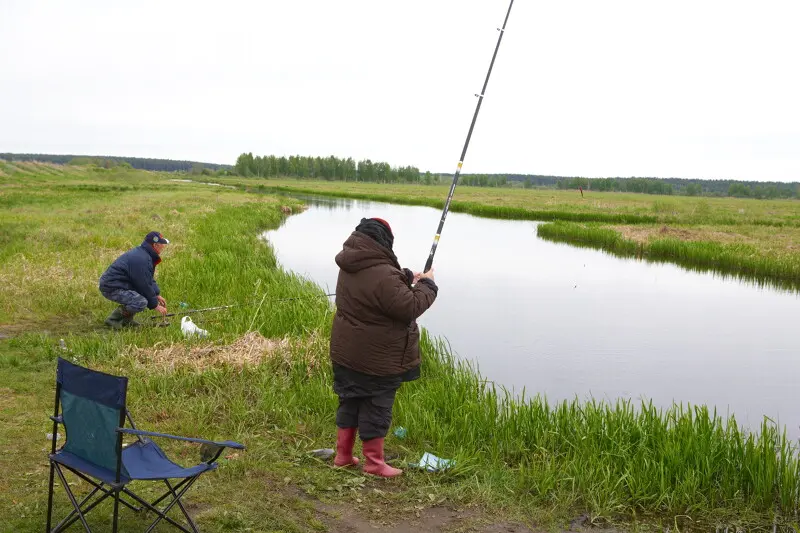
x,y
687,89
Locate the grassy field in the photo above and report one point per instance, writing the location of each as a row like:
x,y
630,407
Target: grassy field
x,y
552,204
263,379
753,239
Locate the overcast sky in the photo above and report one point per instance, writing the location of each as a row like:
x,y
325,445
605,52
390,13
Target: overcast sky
x,y
705,89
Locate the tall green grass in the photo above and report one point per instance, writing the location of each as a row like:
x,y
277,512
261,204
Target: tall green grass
x,y
613,460
229,264
737,259
610,459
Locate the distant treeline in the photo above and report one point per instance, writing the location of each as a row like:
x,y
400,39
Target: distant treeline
x,y
643,185
334,168
144,163
327,168
677,186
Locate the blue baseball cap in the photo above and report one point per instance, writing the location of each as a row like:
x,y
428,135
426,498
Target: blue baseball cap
x,y
155,237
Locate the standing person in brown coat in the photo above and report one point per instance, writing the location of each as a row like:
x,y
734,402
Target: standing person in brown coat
x,y
374,340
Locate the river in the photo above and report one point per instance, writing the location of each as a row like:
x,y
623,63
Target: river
x,y
563,321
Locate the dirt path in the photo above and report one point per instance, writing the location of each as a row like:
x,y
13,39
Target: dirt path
x,y
433,520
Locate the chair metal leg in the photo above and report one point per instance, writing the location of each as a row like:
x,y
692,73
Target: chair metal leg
x,y
173,502
105,490
155,510
116,510
72,499
183,509
79,512
50,497
71,518
166,494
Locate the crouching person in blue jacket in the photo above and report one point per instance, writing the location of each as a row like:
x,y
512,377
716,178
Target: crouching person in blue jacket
x,y
129,282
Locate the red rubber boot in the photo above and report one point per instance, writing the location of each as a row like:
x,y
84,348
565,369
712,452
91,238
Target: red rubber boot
x,y
345,439
373,451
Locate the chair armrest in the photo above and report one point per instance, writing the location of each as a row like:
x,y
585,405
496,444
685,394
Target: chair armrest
x,y
139,432
58,419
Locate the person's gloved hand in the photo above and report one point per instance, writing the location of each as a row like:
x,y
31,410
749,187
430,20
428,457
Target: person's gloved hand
x,y
426,275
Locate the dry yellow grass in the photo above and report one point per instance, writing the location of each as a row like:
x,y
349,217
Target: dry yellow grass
x,y
249,350
645,233
781,242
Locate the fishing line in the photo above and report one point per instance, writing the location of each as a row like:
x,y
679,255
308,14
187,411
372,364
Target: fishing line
x,y
245,304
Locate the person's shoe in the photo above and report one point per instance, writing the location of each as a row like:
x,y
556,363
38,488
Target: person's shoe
x,y
114,320
128,321
373,451
345,439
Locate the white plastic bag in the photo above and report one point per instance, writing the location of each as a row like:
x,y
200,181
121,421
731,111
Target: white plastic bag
x,y
190,329
431,463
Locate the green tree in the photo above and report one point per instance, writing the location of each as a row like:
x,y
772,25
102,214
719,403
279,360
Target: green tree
x,y
244,164
693,189
739,190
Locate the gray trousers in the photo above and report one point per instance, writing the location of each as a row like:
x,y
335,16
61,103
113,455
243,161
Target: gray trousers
x,y
372,415
365,402
132,301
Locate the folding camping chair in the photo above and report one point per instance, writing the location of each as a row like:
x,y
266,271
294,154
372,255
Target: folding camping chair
x,y
93,413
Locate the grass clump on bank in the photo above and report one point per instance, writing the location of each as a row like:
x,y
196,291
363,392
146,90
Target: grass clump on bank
x,y
740,259
263,379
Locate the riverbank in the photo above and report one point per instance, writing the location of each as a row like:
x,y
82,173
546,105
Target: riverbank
x,y
263,379
752,239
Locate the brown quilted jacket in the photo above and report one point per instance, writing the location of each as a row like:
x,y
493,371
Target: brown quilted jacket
x,y
375,329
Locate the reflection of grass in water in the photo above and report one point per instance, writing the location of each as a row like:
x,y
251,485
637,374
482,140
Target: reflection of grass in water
x,y
738,259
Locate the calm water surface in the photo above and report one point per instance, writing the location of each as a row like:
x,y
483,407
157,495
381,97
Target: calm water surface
x,y
564,321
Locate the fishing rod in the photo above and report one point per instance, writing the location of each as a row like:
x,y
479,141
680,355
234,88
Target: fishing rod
x,y
502,30
237,305
196,311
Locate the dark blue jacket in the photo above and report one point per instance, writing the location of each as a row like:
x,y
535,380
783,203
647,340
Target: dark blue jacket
x,y
134,271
